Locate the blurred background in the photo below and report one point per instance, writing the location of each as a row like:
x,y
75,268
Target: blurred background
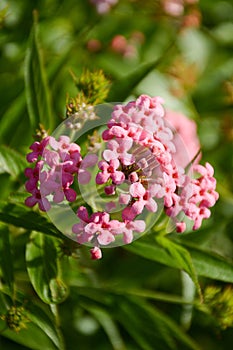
x,y
181,50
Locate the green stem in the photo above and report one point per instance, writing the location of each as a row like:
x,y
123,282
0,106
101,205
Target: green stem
x,y
54,309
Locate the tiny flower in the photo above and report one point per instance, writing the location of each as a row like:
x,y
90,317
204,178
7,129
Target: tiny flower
x,y
36,198
37,150
109,171
84,176
130,226
96,253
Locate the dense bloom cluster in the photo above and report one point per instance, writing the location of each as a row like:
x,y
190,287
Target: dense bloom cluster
x,y
138,168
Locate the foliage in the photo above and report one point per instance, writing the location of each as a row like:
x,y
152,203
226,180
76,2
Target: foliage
x,y
170,290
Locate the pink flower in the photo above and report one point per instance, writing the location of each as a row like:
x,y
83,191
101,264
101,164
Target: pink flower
x,y
84,176
37,150
109,171
103,228
118,149
36,198
185,137
141,197
130,226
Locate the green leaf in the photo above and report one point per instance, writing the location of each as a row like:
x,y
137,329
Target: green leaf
x,y
12,118
146,324
123,87
108,325
182,257
32,338
43,268
6,259
149,326
206,263
21,216
40,318
11,161
209,264
34,331
37,90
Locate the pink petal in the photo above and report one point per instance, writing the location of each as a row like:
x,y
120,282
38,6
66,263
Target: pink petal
x,y
137,190
105,237
82,213
89,161
180,227
109,190
103,165
58,196
128,214
114,163
30,201
78,228
102,178
118,177
124,198
137,225
84,177
108,155
125,144
151,205
44,204
138,207
96,253
128,236
118,131
126,158
70,195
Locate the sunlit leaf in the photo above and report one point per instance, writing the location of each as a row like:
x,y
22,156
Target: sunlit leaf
x,y
182,257
206,263
11,161
123,87
43,268
37,90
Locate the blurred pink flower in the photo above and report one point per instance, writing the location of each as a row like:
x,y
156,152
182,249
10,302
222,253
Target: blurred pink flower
x,y
185,137
103,6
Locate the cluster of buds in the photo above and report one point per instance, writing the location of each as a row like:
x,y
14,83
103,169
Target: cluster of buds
x,y
219,304
136,170
16,318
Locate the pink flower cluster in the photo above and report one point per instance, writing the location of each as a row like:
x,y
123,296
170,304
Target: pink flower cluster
x,y
138,167
55,164
140,152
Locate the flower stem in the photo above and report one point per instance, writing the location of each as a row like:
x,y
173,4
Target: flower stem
x,y
54,309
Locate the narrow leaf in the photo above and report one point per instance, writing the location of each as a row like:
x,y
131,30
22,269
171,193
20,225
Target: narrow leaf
x,y
43,269
6,259
108,325
21,216
206,263
183,258
11,161
44,322
209,264
37,90
149,326
123,87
